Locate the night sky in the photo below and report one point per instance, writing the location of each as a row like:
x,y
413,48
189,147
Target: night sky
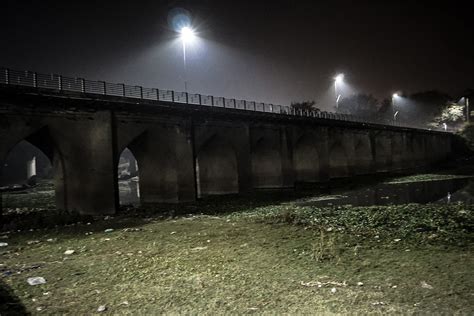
x,y
271,51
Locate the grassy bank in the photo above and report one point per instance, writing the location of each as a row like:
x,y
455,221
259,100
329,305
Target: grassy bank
x,y
263,259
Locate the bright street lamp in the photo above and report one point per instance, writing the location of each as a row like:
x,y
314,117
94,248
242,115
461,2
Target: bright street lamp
x,y
187,34
338,80
394,97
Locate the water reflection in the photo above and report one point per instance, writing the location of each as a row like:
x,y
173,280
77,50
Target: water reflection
x,y
400,193
458,190
129,192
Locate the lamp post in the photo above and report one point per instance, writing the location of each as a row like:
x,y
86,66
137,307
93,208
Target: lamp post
x,y
187,35
338,80
468,111
395,113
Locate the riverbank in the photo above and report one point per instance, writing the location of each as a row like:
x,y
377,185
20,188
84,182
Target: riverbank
x,y
277,258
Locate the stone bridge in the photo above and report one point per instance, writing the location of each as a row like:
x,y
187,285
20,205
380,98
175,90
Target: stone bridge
x,y
186,150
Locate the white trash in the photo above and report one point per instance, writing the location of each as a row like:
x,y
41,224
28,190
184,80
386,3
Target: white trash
x,y
101,308
36,280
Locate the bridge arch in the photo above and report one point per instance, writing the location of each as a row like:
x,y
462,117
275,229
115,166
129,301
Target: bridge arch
x,y
363,155
306,160
128,178
216,168
338,161
36,159
383,153
266,165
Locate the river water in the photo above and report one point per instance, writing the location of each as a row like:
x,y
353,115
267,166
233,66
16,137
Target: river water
x,y
438,191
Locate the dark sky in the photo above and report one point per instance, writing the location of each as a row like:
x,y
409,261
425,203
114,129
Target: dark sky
x,y
271,51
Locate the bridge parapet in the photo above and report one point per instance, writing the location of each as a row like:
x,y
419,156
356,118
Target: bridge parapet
x,y
62,83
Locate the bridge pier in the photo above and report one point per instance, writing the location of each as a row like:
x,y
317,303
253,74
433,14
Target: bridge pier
x,y
86,183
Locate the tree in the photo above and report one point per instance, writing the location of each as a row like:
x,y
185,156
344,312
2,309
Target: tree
x,y
305,106
452,115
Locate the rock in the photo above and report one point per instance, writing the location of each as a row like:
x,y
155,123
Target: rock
x,y
3,244
333,290
426,285
198,248
396,239
32,242
108,230
69,252
102,308
36,280
360,283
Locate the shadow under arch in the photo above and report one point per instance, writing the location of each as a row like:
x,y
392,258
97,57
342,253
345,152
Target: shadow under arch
x,y
216,168
44,143
266,165
338,161
383,154
306,160
363,156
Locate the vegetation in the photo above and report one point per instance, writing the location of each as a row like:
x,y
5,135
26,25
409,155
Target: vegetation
x,y
305,106
255,257
452,115
467,133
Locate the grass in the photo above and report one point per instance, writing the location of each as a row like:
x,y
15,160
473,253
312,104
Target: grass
x,y
266,260
425,177
259,254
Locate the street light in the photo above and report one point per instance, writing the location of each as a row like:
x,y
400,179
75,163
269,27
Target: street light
x,y
394,96
338,80
187,34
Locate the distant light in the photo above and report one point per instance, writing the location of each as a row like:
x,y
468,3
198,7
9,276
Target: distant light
x,y
395,95
339,78
187,33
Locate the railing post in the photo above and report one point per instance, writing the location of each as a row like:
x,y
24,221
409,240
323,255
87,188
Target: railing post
x,y
141,92
35,84
212,100
60,82
187,98
105,87
123,89
235,105
200,101
83,85
172,95
245,105
7,76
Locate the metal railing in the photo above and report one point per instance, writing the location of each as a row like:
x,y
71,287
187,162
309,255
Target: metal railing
x,y
63,83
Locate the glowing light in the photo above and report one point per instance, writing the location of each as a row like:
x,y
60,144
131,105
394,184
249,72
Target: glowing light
x,y
395,95
339,78
187,34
